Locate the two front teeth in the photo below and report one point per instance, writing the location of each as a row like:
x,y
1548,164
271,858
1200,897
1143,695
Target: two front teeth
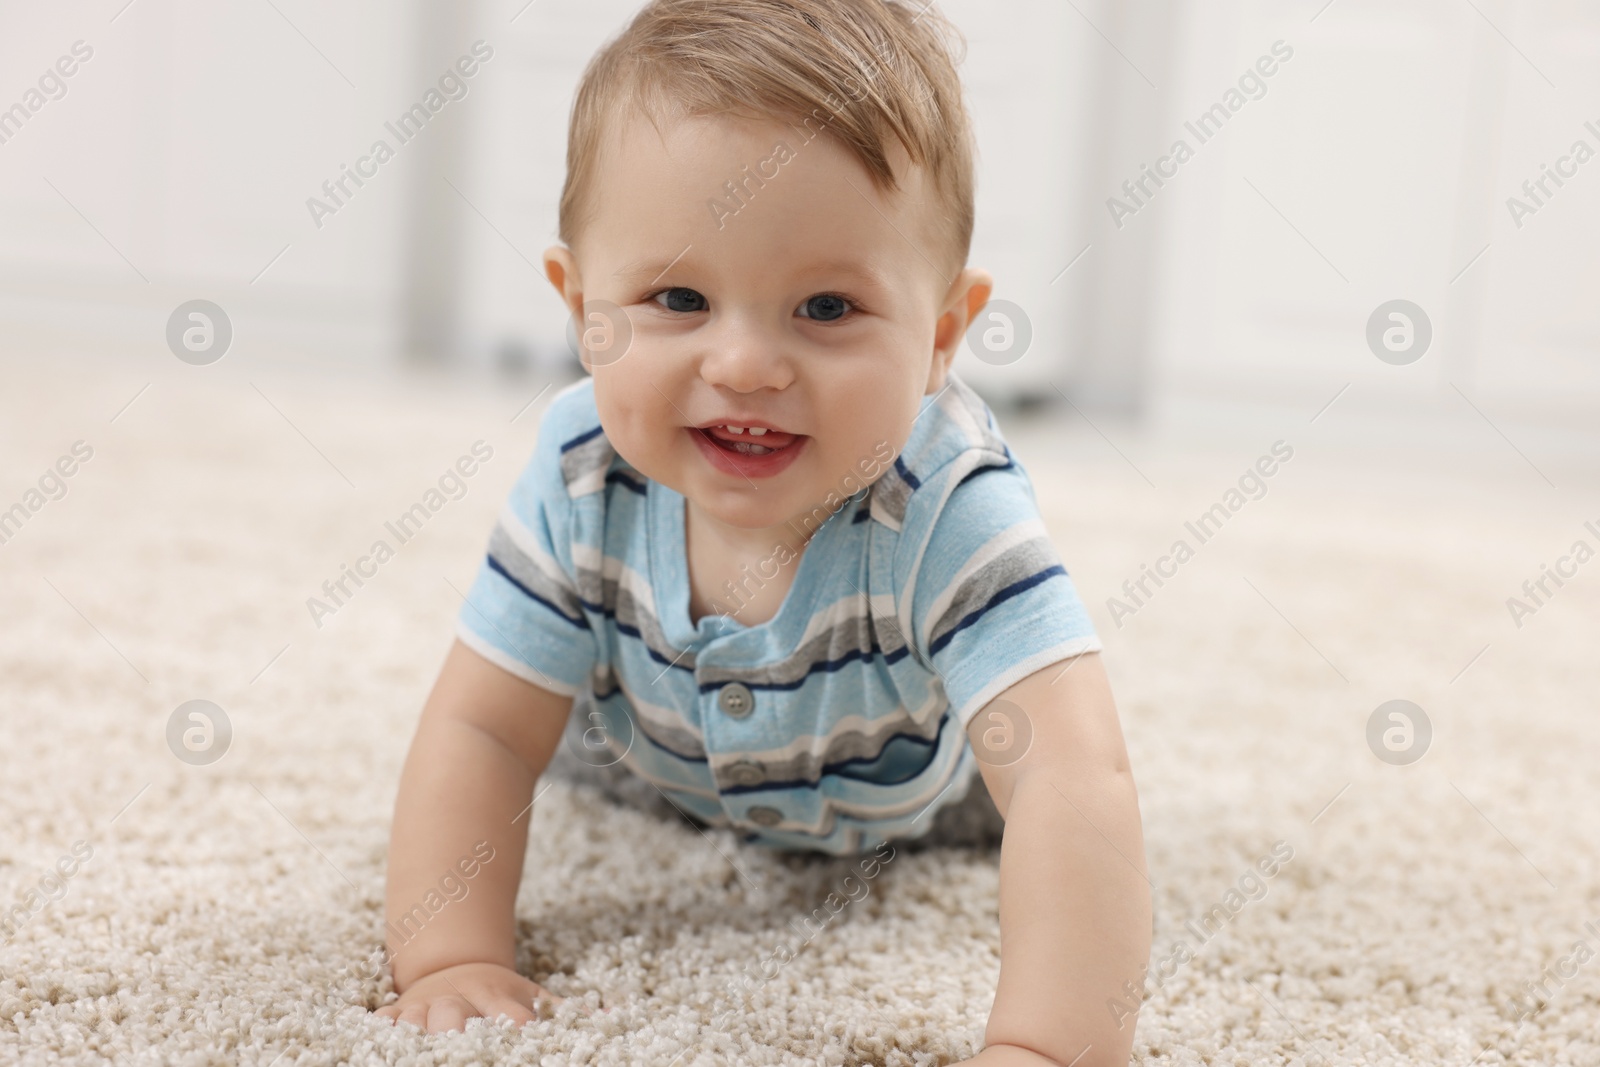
x,y
749,448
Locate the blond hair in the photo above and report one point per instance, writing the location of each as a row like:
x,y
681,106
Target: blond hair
x,y
867,71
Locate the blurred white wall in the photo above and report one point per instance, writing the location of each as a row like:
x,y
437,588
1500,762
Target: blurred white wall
x,y
178,163
1391,142
1377,165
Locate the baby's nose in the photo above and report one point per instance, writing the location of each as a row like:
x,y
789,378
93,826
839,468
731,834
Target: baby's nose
x,y
746,362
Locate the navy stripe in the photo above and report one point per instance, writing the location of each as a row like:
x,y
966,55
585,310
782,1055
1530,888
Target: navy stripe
x,y
622,478
831,768
581,438
995,601
826,665
889,658
905,472
639,731
863,513
499,568
633,631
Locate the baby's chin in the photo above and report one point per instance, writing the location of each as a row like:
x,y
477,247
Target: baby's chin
x,y
762,510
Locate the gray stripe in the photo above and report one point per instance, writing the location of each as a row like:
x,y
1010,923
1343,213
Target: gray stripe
x,y
891,493
852,744
979,412
595,588
522,567
582,461
1012,565
604,691
858,633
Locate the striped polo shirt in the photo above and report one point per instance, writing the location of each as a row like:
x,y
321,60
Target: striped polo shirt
x,y
839,723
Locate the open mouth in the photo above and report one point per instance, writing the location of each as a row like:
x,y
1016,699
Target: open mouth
x,y
749,450
749,440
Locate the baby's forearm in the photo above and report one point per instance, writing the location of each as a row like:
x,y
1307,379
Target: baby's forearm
x,y
460,787
1074,916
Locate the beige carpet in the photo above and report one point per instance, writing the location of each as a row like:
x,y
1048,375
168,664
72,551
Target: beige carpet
x,y
227,911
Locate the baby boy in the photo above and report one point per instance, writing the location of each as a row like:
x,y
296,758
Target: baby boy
x,y
771,548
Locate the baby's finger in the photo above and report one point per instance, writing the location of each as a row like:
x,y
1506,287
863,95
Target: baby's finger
x,y
449,1013
415,1013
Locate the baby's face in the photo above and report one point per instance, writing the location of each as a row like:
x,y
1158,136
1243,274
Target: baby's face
x,y
812,311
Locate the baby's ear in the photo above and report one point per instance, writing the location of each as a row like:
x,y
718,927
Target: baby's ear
x,y
964,300
561,267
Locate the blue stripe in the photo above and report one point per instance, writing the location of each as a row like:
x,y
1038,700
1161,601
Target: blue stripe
x,y
496,566
905,472
633,631
581,438
828,666
827,768
627,711
995,601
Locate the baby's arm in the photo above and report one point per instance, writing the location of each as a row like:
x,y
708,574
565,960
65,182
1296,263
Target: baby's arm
x,y
1074,897
484,738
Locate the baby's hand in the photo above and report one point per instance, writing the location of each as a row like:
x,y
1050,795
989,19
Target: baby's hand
x,y
446,999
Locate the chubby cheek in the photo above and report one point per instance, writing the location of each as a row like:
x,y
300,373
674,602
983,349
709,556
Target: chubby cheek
x,y
634,423
866,432
880,399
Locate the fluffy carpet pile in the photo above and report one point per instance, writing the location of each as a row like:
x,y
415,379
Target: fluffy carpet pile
x,y
163,911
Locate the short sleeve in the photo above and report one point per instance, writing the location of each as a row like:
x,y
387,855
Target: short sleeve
x,y
523,612
991,600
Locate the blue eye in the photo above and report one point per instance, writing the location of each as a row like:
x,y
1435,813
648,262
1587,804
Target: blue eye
x,y
826,307
680,299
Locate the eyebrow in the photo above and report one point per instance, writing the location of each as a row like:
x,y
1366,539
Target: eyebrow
x,y
859,271
652,268
655,268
